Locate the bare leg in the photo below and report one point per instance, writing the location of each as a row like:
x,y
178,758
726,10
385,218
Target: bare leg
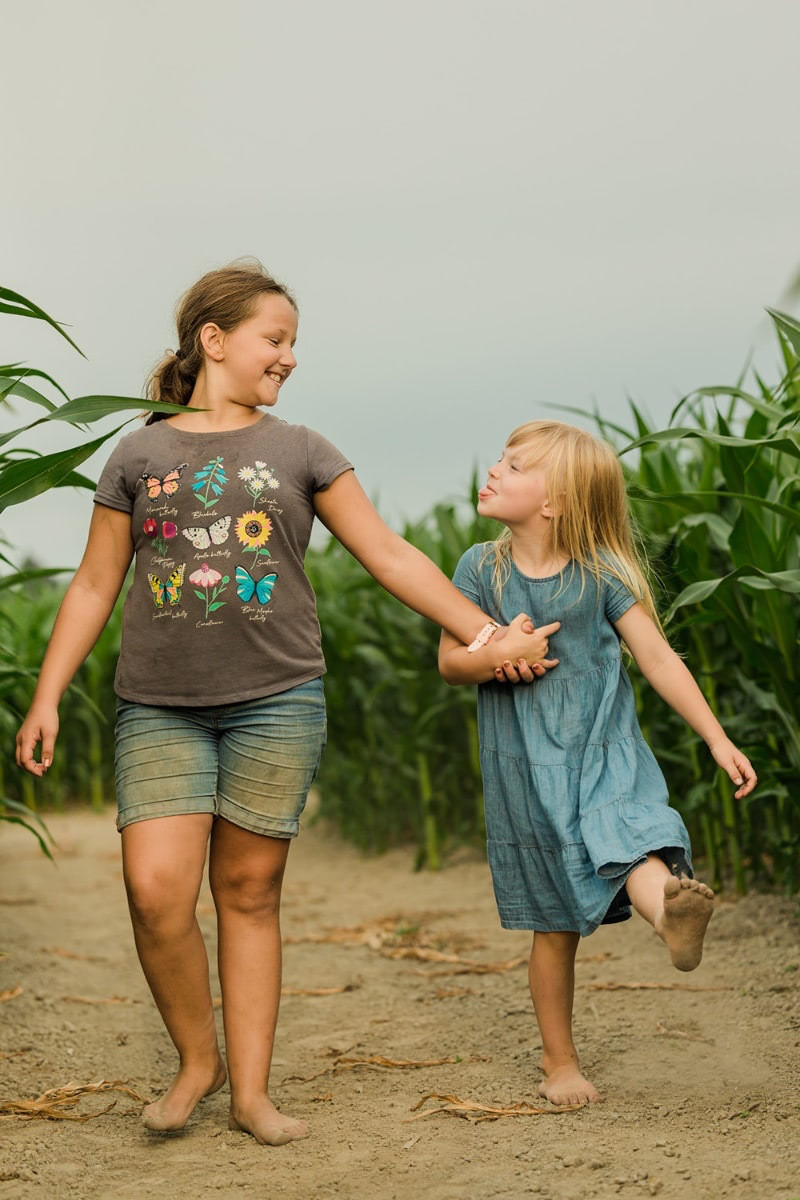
x,y
163,863
246,872
551,974
678,909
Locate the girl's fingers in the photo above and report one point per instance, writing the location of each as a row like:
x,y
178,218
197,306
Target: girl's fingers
x,y
742,774
550,629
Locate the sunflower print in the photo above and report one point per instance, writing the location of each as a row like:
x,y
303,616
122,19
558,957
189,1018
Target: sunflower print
x,y
253,529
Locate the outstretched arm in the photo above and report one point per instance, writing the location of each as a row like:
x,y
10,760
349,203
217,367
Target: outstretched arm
x,y
406,572
86,607
674,682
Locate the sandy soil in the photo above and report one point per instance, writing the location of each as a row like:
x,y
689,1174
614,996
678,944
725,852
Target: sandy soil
x,y
700,1074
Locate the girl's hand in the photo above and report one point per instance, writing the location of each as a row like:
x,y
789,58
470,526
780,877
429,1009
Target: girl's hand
x,y
736,764
40,725
535,664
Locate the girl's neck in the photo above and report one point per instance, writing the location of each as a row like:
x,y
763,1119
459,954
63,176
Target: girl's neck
x,y
533,554
210,413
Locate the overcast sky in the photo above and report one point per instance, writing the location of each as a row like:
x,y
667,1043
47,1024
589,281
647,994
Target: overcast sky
x,y
484,209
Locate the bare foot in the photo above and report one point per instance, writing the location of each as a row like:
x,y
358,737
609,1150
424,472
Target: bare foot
x,y
171,1112
688,906
566,1085
269,1127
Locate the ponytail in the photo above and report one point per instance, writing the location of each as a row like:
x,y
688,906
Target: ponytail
x,y
225,297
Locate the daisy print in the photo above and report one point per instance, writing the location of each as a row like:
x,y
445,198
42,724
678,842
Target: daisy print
x,y
258,480
253,530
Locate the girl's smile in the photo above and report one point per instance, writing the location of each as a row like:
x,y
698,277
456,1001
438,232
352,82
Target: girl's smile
x,y
258,354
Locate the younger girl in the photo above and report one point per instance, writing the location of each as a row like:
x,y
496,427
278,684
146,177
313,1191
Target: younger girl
x,y
221,717
577,818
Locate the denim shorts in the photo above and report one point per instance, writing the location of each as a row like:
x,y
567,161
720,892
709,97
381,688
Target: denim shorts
x,y
251,763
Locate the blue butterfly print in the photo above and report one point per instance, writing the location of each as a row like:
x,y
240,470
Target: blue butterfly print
x,y
246,586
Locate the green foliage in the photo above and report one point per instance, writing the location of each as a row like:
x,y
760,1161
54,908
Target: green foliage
x,y
402,756
716,498
29,603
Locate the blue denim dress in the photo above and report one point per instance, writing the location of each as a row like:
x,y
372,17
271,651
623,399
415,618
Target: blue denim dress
x,y
573,794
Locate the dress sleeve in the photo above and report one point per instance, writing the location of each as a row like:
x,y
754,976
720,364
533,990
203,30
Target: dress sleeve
x,y
465,576
325,462
618,599
113,488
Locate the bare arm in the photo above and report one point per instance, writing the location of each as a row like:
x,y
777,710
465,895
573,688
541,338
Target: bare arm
x,y
406,572
86,607
670,677
516,657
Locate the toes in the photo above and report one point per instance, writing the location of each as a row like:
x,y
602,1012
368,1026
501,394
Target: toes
x,y
672,886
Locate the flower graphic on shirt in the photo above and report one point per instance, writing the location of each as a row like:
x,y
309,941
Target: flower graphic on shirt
x,y
258,479
168,531
253,530
213,585
209,482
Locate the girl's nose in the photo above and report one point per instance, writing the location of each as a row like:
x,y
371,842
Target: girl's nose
x,y
288,359
494,470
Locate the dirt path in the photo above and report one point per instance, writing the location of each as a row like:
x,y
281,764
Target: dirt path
x,y
701,1086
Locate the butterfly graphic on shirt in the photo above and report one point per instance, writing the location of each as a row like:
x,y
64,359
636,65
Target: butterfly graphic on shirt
x,y
215,535
168,591
167,484
247,587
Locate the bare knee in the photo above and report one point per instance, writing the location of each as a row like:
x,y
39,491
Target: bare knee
x,y
157,905
247,893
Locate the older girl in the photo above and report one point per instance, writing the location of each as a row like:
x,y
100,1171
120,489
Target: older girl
x,y
221,717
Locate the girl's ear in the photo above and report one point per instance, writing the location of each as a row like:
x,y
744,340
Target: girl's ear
x,y
212,341
548,509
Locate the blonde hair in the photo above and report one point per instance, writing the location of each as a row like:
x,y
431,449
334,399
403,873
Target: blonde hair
x,y
227,297
591,521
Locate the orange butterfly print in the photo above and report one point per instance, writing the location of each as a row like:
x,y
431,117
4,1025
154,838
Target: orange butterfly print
x,y
168,484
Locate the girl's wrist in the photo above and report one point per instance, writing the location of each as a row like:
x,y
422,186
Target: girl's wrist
x,y
483,637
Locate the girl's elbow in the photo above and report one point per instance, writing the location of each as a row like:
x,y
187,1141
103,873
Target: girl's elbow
x,y
448,673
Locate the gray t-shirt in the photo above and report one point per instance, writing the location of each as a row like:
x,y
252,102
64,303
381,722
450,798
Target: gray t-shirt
x,y
220,608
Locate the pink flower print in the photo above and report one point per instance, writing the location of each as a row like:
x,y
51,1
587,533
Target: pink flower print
x,y
150,527
168,530
205,577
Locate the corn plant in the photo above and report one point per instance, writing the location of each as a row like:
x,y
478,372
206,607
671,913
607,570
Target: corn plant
x,y
402,758
716,497
25,473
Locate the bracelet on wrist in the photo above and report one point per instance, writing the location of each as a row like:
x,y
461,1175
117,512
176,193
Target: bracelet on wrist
x,y
483,636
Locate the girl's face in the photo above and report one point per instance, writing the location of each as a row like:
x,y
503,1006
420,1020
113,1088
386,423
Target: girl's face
x,y
257,356
514,493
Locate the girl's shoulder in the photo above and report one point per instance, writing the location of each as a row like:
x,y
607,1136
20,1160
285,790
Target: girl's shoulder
x,y
476,555
476,561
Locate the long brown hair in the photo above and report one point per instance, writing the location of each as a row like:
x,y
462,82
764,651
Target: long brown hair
x,y
591,521
227,297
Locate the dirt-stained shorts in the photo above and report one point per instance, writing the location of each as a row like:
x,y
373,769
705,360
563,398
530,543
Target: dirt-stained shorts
x,y
251,763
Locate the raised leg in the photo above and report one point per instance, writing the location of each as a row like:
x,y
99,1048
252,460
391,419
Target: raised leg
x,y
246,873
551,974
163,862
679,909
